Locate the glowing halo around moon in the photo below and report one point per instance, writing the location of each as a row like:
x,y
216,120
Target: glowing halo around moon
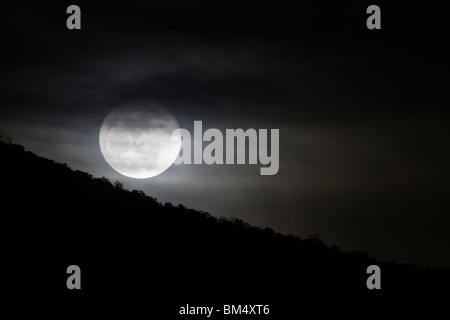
x,y
135,139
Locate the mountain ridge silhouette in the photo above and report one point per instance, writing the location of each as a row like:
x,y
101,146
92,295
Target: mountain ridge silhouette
x,y
129,245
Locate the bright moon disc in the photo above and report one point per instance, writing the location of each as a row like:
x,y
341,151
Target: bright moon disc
x,y
135,139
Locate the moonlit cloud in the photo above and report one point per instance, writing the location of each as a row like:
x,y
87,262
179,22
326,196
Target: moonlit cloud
x,y
362,118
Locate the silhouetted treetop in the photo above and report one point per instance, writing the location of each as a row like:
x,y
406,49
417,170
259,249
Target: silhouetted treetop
x,y
130,244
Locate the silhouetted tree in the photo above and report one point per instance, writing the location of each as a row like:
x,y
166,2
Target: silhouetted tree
x,y
130,245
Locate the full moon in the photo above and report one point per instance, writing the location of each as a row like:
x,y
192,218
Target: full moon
x,y
135,139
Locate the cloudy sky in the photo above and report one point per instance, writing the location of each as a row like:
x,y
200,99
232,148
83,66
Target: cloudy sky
x,y
363,115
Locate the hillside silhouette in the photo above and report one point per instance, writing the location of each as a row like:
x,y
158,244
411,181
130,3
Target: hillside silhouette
x,y
129,245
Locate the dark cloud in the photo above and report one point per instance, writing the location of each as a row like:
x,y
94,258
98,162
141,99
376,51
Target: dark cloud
x,y
362,115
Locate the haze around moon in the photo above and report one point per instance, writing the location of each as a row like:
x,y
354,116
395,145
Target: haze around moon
x,y
135,139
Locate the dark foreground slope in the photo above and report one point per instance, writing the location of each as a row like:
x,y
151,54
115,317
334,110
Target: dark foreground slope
x,y
128,245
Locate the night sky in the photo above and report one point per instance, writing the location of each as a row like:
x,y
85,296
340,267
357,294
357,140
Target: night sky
x,y
363,114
